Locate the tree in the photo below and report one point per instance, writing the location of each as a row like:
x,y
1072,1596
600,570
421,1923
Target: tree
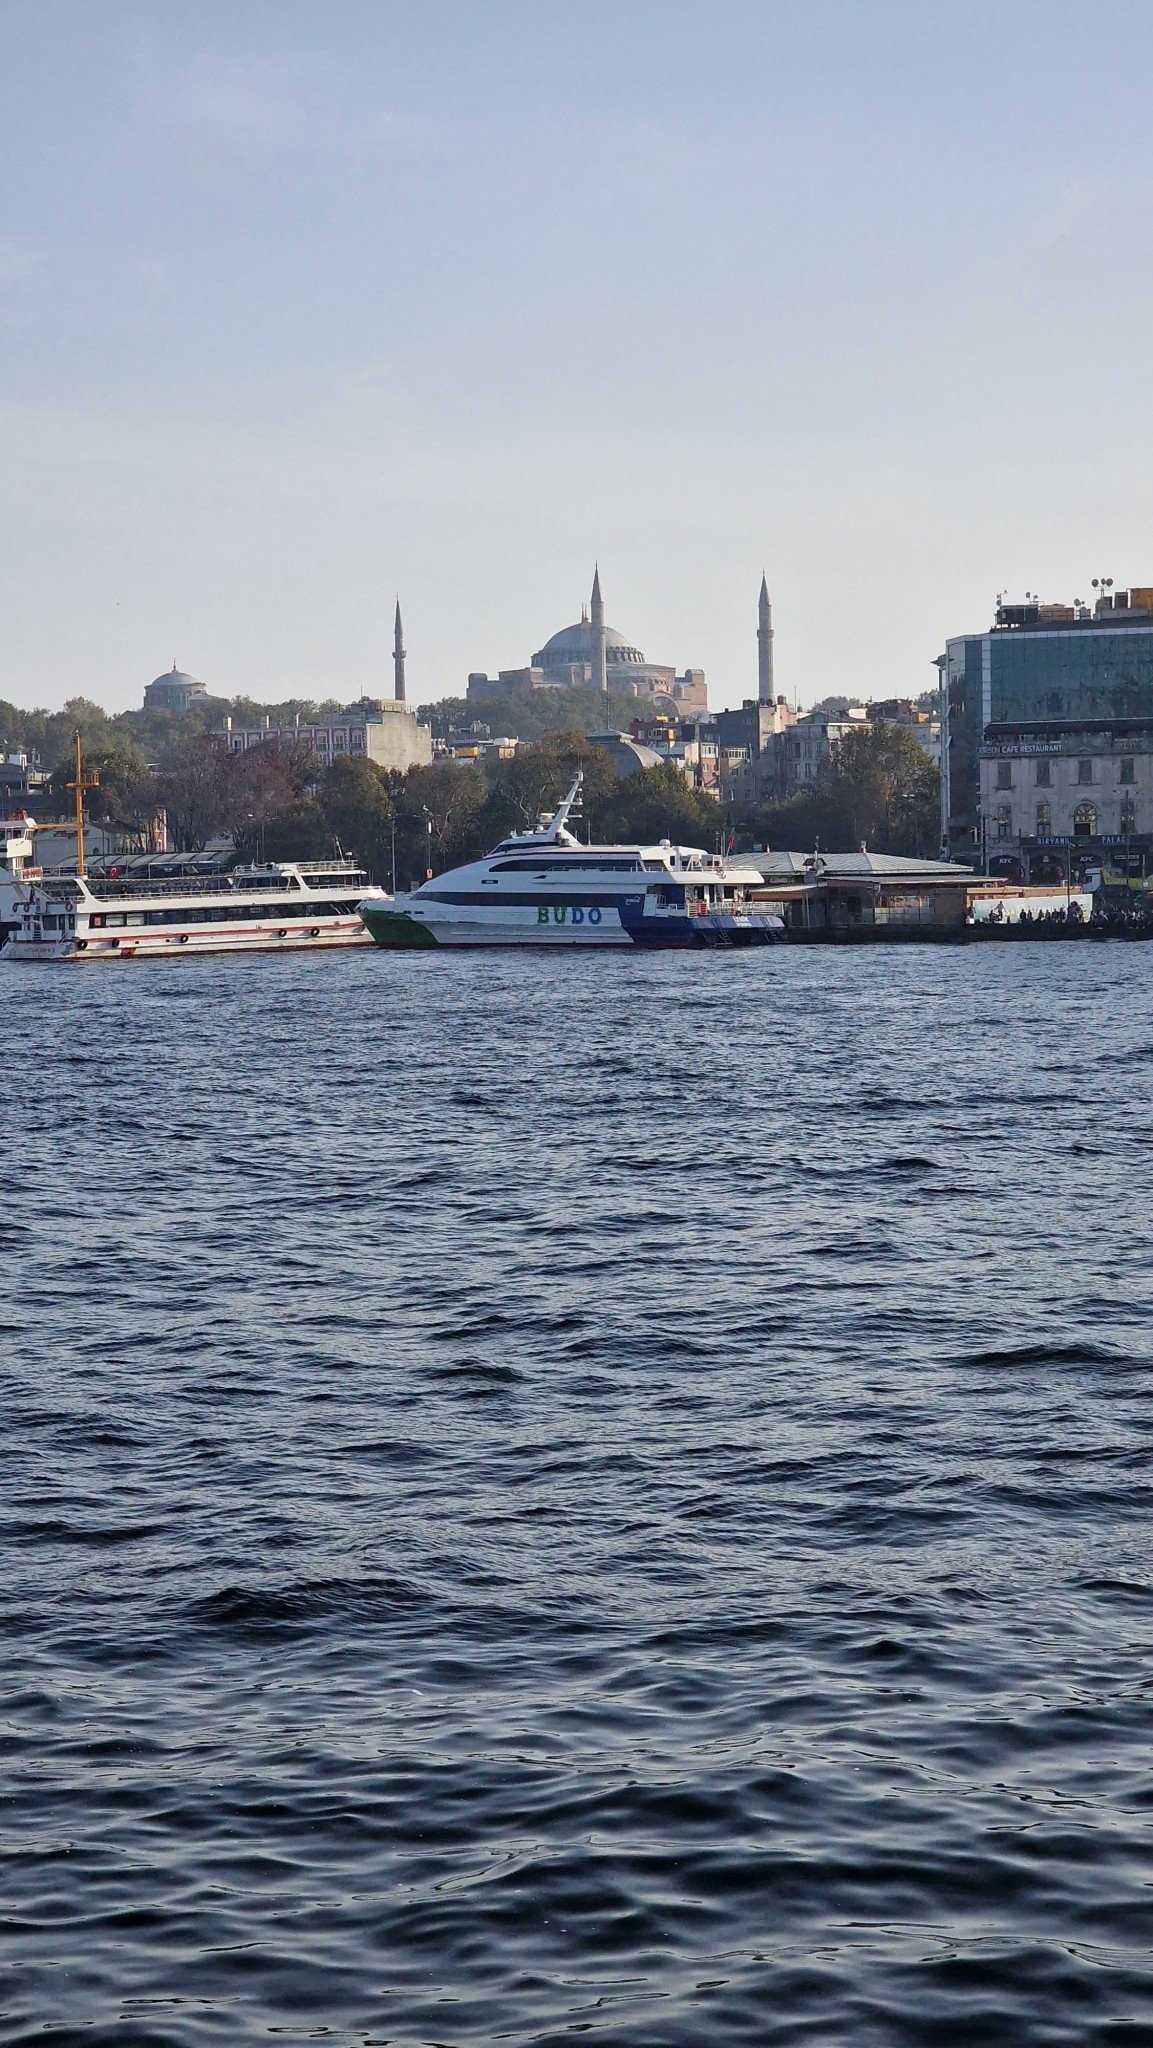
x,y
355,802
208,790
657,803
878,788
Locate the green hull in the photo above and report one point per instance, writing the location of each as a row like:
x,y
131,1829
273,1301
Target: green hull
x,y
395,927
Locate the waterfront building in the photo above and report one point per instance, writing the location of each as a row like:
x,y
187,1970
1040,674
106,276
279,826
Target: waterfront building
x,y
174,691
858,895
1049,684
1082,785
377,729
592,655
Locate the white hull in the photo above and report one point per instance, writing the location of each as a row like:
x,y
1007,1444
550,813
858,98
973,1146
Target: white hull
x,y
508,925
167,945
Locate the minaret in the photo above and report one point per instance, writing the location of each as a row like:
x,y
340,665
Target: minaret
x,y
600,652
398,658
765,647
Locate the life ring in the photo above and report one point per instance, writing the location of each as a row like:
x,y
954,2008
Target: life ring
x,y
315,932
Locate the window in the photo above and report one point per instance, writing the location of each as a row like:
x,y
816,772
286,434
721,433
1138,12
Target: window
x,y
1127,767
1084,771
1044,774
1004,821
1044,821
1004,775
1085,821
1128,814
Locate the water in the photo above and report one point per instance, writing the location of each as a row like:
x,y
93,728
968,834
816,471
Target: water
x,y
550,1498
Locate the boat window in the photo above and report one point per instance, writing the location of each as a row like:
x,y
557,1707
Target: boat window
x,y
569,864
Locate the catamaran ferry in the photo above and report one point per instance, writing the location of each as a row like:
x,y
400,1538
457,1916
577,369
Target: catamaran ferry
x,y
543,888
248,910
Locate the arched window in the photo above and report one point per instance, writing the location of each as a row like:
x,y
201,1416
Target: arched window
x,y
1085,821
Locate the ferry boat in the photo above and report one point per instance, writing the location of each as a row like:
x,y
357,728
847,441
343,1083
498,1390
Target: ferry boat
x,y
17,869
121,915
544,888
268,909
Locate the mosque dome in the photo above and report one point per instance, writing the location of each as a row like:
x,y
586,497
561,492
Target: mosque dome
x,y
574,644
176,679
173,691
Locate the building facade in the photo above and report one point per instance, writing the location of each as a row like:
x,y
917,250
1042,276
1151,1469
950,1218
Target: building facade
x,y
1054,684
1082,787
378,729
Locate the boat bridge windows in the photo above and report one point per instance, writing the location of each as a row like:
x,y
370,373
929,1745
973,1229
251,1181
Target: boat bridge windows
x,y
569,864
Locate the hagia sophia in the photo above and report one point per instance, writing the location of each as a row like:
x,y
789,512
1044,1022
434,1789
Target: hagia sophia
x,y
593,656
589,655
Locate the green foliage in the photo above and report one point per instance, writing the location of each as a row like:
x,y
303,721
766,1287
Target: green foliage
x,y
127,794
532,714
655,804
879,788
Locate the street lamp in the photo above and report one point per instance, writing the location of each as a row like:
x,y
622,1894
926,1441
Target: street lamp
x,y
428,842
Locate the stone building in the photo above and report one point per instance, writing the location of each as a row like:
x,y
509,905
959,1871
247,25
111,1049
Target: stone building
x,y
1083,785
376,729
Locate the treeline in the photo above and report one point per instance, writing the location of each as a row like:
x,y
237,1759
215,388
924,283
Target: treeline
x,y
278,802
449,813
879,788
158,735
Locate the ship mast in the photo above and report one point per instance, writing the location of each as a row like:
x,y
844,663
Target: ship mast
x,y
80,783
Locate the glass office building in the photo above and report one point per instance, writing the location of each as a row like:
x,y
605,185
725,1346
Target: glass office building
x,y
1039,668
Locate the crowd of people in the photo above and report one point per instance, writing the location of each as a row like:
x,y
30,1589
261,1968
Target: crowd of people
x,y
1113,916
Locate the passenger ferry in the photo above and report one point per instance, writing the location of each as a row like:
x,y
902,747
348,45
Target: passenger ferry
x,y
269,909
123,915
17,869
544,888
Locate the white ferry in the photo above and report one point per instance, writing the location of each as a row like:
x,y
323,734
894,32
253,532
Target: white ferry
x,y
544,888
268,909
17,869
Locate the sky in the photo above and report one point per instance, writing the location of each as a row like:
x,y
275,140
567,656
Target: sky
x,y
304,305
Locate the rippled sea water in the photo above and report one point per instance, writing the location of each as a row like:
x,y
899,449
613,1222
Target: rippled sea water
x,y
602,1497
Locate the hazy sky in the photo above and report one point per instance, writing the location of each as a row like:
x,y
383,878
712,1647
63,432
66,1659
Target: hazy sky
x,y
303,304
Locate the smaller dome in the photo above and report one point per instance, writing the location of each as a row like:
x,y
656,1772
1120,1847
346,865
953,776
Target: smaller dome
x,y
175,678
